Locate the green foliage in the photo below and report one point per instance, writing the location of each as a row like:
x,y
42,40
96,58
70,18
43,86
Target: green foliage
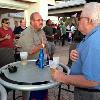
x,y
67,21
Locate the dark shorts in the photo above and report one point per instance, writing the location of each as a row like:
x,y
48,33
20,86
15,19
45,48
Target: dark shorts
x,y
50,47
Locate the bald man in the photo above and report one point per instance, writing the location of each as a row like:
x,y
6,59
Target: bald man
x,y
32,39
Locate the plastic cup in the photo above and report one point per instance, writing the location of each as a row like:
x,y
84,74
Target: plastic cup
x,y
23,56
56,61
53,64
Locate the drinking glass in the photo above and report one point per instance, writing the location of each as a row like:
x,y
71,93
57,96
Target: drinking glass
x,y
53,64
23,56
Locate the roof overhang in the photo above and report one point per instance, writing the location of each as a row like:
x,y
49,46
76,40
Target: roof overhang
x,y
66,11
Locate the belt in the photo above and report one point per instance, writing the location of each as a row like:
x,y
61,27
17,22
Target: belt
x,y
88,90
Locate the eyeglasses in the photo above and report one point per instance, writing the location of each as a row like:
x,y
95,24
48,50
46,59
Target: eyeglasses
x,y
79,18
39,20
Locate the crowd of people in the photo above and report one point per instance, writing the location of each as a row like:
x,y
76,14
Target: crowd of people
x,y
85,73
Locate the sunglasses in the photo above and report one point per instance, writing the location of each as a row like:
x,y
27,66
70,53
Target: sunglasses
x,y
7,22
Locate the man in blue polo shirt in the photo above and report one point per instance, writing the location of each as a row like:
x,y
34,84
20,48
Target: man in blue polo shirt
x,y
85,71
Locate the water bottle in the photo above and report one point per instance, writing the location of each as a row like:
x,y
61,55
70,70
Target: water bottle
x,y
41,59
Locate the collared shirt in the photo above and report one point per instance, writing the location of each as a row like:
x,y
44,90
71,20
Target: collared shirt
x,y
30,39
88,63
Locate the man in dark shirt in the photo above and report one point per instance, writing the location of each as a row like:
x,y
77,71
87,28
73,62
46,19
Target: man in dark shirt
x,y
50,38
17,32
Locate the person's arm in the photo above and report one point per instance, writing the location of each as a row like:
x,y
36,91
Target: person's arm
x,y
37,48
76,80
4,38
50,36
1,39
31,49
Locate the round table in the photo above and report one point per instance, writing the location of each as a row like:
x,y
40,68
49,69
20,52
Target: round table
x,y
27,78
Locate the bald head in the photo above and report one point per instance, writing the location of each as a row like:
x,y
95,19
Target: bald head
x,y
36,21
33,15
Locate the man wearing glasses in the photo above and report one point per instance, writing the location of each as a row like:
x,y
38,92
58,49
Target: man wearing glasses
x,y
6,34
85,70
32,39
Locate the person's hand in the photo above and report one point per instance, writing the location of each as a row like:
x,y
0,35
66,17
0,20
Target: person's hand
x,y
43,42
17,36
57,75
7,36
43,45
16,46
74,55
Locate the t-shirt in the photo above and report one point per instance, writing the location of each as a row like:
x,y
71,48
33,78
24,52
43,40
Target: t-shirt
x,y
49,32
8,43
63,29
18,30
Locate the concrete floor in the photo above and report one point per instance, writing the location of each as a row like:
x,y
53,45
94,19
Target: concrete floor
x,y
62,52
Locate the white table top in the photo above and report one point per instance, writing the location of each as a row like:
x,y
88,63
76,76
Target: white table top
x,y
27,77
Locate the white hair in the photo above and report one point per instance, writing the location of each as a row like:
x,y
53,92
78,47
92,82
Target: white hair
x,y
92,10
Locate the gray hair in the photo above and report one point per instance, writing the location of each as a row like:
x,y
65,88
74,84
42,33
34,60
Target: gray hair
x,y
92,10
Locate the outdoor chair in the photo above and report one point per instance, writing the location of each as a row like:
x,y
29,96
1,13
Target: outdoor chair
x,y
65,69
68,89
